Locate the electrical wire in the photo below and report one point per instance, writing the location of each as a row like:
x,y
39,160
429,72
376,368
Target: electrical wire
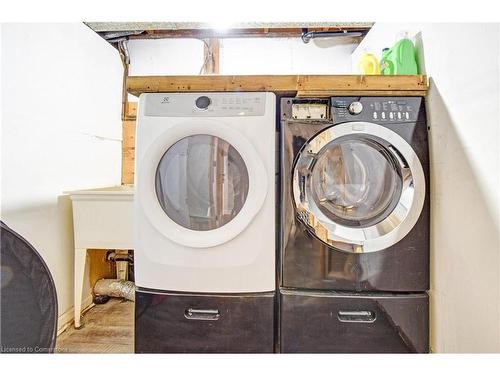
x,y
207,58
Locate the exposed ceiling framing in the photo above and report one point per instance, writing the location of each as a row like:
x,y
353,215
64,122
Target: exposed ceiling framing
x,y
113,31
117,33
135,26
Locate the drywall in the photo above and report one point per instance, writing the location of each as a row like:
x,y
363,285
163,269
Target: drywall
x,y
286,56
165,57
243,56
61,130
462,61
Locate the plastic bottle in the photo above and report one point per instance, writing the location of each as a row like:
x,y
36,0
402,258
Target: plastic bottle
x,y
400,59
368,64
386,65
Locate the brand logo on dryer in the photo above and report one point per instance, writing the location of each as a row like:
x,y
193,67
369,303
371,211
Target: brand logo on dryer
x,y
165,100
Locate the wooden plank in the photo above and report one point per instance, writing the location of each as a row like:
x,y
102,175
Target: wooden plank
x,y
128,161
275,83
128,151
131,110
128,133
328,93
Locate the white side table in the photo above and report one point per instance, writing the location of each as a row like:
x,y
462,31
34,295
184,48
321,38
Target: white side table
x,y
102,219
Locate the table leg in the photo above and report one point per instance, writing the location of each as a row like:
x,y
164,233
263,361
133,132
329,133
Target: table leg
x,y
80,264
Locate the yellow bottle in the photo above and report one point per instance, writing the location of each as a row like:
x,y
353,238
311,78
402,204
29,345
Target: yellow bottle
x,y
369,65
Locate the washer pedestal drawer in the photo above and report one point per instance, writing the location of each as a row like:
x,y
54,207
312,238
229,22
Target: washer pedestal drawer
x,y
201,323
328,322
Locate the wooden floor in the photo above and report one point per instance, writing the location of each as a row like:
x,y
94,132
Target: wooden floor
x,y
107,328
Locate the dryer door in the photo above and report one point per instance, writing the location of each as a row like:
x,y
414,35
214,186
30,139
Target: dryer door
x,y
358,187
201,183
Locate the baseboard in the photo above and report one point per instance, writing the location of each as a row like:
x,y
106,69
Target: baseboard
x,y
67,318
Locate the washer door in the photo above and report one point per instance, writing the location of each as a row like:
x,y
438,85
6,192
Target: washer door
x,y
201,184
358,187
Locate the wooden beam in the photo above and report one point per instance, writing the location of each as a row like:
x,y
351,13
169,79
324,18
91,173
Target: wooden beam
x,y
239,33
281,83
130,111
128,151
328,93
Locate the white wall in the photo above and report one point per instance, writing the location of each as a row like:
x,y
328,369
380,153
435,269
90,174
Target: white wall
x,y
61,130
242,56
462,61
165,57
285,56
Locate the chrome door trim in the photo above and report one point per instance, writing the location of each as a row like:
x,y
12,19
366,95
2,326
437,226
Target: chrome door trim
x,y
378,236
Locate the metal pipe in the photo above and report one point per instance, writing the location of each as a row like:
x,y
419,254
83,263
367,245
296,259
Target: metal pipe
x,y
115,288
307,36
125,57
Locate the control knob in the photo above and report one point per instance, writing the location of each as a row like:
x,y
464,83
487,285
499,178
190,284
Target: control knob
x,y
203,102
355,108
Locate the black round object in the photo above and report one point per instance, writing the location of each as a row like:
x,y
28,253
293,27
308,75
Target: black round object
x,y
99,300
203,102
28,297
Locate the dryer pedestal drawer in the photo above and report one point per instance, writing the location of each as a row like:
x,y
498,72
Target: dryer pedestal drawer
x,y
327,322
197,323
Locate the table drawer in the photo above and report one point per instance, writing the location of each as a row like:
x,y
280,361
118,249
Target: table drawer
x,y
343,323
188,323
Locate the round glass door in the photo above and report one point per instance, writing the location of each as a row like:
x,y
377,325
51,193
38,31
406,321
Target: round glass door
x,y
201,182
358,187
356,181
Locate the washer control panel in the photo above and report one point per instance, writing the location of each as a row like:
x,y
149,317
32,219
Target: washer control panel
x,y
375,109
204,104
355,108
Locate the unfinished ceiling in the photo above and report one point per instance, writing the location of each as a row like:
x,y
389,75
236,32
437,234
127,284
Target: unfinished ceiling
x,y
114,31
144,26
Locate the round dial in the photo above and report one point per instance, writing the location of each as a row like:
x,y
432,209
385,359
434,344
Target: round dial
x,y
203,102
355,108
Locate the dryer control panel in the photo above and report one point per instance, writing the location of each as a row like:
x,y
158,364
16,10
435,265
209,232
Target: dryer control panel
x,y
204,104
375,109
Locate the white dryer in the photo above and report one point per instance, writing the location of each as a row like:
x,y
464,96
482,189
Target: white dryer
x,y
205,192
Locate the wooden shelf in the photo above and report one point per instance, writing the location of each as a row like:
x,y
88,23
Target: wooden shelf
x,y
303,85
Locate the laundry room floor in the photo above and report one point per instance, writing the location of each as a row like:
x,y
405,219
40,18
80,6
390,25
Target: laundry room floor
x,y
107,328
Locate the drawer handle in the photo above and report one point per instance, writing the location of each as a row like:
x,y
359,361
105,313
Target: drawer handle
x,y
358,316
201,314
